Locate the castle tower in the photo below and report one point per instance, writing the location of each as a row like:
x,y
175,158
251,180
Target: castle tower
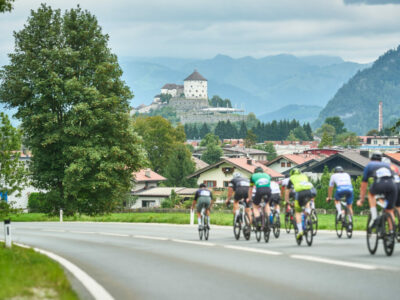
x,y
195,86
380,121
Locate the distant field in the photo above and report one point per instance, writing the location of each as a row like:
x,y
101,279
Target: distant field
x,y
26,274
217,218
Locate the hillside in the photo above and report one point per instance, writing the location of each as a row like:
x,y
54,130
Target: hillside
x,y
302,113
356,102
259,85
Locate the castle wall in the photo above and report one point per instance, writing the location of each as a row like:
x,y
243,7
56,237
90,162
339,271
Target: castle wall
x,y
181,104
195,89
209,118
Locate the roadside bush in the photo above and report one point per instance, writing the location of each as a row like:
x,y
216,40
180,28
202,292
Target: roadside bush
x,y
37,203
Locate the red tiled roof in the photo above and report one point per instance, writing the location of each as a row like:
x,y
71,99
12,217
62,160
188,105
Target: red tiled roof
x,y
242,163
140,176
394,157
300,158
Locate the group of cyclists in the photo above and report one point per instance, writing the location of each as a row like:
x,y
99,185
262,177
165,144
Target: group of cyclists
x,y
385,187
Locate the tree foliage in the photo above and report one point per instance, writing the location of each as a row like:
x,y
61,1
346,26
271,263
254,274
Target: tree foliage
x,y
6,5
217,101
179,166
212,154
73,105
269,148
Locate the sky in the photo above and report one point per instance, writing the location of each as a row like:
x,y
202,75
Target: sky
x,y
356,30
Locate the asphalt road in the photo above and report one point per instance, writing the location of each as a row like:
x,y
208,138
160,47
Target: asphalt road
x,y
152,261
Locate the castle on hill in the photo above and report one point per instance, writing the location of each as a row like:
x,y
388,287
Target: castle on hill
x,y
190,101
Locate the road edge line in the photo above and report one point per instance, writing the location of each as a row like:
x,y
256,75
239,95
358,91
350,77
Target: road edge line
x,y
91,285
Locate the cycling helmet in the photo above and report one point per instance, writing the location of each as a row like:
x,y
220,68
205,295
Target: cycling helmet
x,y
258,170
237,175
202,185
338,169
294,171
386,160
377,155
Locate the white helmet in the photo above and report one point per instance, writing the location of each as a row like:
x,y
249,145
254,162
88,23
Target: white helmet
x,y
386,160
237,175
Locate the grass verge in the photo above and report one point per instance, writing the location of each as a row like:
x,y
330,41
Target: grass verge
x,y
324,221
26,274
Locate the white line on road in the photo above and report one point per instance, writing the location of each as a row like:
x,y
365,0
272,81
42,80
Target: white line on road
x,y
113,234
335,262
83,232
193,242
150,237
269,252
53,230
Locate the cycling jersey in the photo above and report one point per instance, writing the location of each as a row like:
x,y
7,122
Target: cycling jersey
x,y
340,179
275,188
344,188
202,193
239,182
260,180
285,182
300,183
377,170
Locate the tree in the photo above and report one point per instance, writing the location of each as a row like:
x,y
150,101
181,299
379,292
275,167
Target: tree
x,y
204,130
348,139
179,166
251,139
212,154
209,139
12,171
74,110
292,137
242,131
6,5
269,148
327,140
326,128
159,139
337,123
373,132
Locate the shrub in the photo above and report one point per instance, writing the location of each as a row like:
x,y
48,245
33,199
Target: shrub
x,y
37,202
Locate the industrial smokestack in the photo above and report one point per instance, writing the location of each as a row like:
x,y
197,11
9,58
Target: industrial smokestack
x,y
380,122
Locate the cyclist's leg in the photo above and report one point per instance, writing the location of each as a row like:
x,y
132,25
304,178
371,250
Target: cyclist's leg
x,y
338,196
298,211
207,205
349,202
200,204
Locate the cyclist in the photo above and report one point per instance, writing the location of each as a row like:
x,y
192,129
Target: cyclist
x,y
203,198
383,184
275,195
240,186
302,188
261,181
396,176
344,188
284,184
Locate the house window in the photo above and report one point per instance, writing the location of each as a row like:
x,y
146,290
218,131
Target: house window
x,y
210,183
148,203
289,165
391,143
226,184
375,142
283,164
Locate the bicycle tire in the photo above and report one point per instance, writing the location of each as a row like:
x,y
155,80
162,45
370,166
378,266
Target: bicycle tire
x,y
314,219
349,223
266,231
288,222
276,224
206,228
236,227
338,226
397,222
247,227
388,237
257,231
372,237
296,231
201,234
308,231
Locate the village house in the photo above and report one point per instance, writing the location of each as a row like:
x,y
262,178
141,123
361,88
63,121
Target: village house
x,y
286,162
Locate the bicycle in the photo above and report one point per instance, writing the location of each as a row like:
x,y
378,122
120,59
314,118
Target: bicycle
x,y
238,220
314,219
381,230
345,221
264,226
275,221
307,228
204,228
397,222
289,217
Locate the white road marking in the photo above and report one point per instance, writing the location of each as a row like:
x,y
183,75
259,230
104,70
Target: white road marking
x,y
335,262
21,245
193,242
113,234
255,250
53,230
150,237
83,232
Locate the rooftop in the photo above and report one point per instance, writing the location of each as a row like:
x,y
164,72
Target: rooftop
x,y
195,76
146,175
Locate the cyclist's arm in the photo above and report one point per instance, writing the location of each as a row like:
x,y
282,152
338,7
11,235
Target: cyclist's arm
x,y
363,190
250,195
195,199
230,194
330,192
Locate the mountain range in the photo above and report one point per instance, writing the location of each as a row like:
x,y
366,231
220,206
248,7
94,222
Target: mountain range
x,y
259,85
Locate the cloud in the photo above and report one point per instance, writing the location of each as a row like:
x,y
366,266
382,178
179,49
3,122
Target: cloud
x,y
372,2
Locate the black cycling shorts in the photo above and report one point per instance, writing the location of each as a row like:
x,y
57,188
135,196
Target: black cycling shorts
x,y
262,193
303,197
275,199
387,187
397,204
242,194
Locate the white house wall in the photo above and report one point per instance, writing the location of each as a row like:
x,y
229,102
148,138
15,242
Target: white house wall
x,y
217,175
22,202
195,89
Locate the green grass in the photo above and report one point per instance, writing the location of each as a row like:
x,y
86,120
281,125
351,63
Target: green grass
x,y
217,218
26,274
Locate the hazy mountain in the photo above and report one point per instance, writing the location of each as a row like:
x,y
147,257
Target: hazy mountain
x,y
302,113
356,102
259,85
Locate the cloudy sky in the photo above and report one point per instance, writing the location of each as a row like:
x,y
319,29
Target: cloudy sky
x,y
357,30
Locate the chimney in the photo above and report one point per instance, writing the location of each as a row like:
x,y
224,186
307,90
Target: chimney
x,y
147,173
249,161
380,121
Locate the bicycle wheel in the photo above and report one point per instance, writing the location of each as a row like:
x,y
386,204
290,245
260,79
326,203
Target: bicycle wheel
x,y
266,231
349,223
314,219
338,226
388,234
206,228
200,234
288,222
257,231
372,237
237,226
397,222
247,227
276,221
308,231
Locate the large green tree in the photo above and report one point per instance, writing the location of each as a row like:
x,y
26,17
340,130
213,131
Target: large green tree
x,y
66,86
12,171
6,5
159,139
179,166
